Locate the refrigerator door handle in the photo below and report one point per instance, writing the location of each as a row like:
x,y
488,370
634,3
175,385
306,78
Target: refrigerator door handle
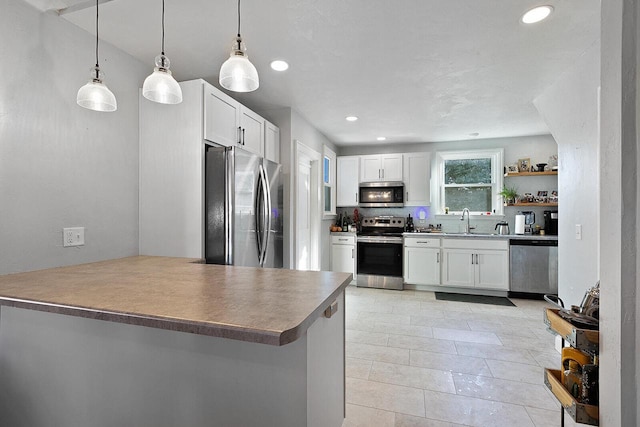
x,y
267,191
259,217
264,203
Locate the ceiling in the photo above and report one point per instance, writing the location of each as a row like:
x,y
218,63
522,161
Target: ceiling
x,y
411,70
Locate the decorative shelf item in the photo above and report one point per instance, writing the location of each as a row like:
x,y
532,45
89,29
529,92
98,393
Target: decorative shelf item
x,y
585,340
514,174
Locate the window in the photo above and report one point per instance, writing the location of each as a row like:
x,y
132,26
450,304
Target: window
x,y
470,179
328,182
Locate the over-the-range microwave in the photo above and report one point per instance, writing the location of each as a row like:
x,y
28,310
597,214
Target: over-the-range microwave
x,y
381,194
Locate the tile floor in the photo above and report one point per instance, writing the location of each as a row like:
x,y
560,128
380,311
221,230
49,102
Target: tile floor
x,y
415,361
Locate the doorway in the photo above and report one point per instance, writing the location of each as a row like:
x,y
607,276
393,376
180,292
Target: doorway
x,y
307,216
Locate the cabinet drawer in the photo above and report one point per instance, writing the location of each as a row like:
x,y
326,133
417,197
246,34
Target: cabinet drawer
x,y
421,242
476,243
343,240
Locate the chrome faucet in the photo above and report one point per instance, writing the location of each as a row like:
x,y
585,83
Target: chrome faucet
x,y
467,228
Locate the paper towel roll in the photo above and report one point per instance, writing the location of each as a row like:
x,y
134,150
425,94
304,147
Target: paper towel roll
x,y
519,224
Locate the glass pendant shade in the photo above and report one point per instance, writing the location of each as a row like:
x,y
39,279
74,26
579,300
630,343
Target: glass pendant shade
x,y
238,74
160,86
95,95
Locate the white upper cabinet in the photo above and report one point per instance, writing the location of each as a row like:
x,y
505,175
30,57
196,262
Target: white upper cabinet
x,y
381,167
221,117
417,176
348,172
271,142
251,131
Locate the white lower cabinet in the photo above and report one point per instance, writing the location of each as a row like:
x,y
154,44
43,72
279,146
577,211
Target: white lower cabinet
x,y
421,261
475,263
343,254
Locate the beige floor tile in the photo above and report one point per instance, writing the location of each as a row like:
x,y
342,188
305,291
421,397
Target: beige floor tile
x,y
446,306
420,343
546,418
547,359
376,352
388,397
517,328
436,322
412,376
449,362
532,343
536,396
466,336
411,421
357,368
496,352
396,329
358,325
516,371
474,412
361,416
419,311
424,296
400,319
370,307
374,338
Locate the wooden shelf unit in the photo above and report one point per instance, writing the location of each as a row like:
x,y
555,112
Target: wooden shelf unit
x,y
514,174
585,340
534,204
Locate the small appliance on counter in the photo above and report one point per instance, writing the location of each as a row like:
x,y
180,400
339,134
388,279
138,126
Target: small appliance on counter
x,y
529,221
551,222
502,228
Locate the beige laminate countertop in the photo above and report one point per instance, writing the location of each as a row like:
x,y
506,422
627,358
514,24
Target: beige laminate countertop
x,y
268,306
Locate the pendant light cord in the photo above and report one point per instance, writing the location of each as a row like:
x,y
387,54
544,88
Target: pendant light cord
x,y
97,15
238,18
162,28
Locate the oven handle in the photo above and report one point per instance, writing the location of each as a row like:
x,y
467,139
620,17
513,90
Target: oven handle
x,y
397,240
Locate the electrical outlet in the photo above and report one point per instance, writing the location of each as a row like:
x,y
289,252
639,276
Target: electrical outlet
x,y
73,236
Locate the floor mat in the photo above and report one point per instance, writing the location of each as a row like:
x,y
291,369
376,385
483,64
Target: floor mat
x,y
478,299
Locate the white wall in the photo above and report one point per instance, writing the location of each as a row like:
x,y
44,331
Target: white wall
x,y
62,165
619,343
294,127
570,109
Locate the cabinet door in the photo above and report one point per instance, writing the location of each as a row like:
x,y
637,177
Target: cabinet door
x,y
422,266
252,126
417,179
458,267
391,165
271,142
370,168
343,258
348,170
221,117
492,270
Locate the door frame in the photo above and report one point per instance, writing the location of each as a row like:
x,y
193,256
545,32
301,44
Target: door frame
x,y
315,208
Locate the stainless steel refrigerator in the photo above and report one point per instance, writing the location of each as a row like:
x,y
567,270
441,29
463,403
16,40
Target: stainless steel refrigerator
x,y
244,203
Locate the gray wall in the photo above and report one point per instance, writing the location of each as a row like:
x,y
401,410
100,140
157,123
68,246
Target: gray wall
x,y
619,163
570,109
62,165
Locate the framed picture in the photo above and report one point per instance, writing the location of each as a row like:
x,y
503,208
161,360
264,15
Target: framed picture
x,y
524,165
512,169
542,194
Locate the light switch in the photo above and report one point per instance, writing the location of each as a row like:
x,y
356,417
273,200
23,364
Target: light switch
x,y
578,231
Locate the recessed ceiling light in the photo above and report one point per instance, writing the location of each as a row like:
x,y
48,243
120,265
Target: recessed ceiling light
x,y
381,138
351,118
279,65
537,14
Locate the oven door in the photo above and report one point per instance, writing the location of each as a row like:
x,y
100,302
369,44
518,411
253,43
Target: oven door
x,y
380,263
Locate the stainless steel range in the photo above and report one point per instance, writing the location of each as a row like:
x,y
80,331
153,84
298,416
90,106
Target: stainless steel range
x,y
380,253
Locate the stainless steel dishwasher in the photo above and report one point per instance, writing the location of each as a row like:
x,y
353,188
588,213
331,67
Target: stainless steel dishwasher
x,y
533,266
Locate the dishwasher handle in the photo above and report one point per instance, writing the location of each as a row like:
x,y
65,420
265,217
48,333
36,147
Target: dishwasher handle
x,y
532,242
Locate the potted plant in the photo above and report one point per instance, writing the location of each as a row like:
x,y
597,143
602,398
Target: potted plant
x,y
509,194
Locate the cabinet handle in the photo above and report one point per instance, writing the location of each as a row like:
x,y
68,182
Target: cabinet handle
x,y
353,253
407,196
438,258
422,241
242,136
343,240
379,175
471,259
356,197
382,173
239,135
477,260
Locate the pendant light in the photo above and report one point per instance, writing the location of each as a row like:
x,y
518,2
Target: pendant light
x,y
160,86
95,95
237,73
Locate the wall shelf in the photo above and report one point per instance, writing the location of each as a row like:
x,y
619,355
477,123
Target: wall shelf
x,y
512,174
534,204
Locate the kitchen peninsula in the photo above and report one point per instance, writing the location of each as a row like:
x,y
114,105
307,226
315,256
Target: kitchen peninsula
x,y
171,341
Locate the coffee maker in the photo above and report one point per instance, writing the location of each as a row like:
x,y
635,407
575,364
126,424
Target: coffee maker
x,y
551,222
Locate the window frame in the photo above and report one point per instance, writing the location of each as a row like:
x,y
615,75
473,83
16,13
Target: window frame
x,y
497,164
330,155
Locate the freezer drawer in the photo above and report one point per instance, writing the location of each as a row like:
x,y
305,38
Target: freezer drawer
x,y
533,266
